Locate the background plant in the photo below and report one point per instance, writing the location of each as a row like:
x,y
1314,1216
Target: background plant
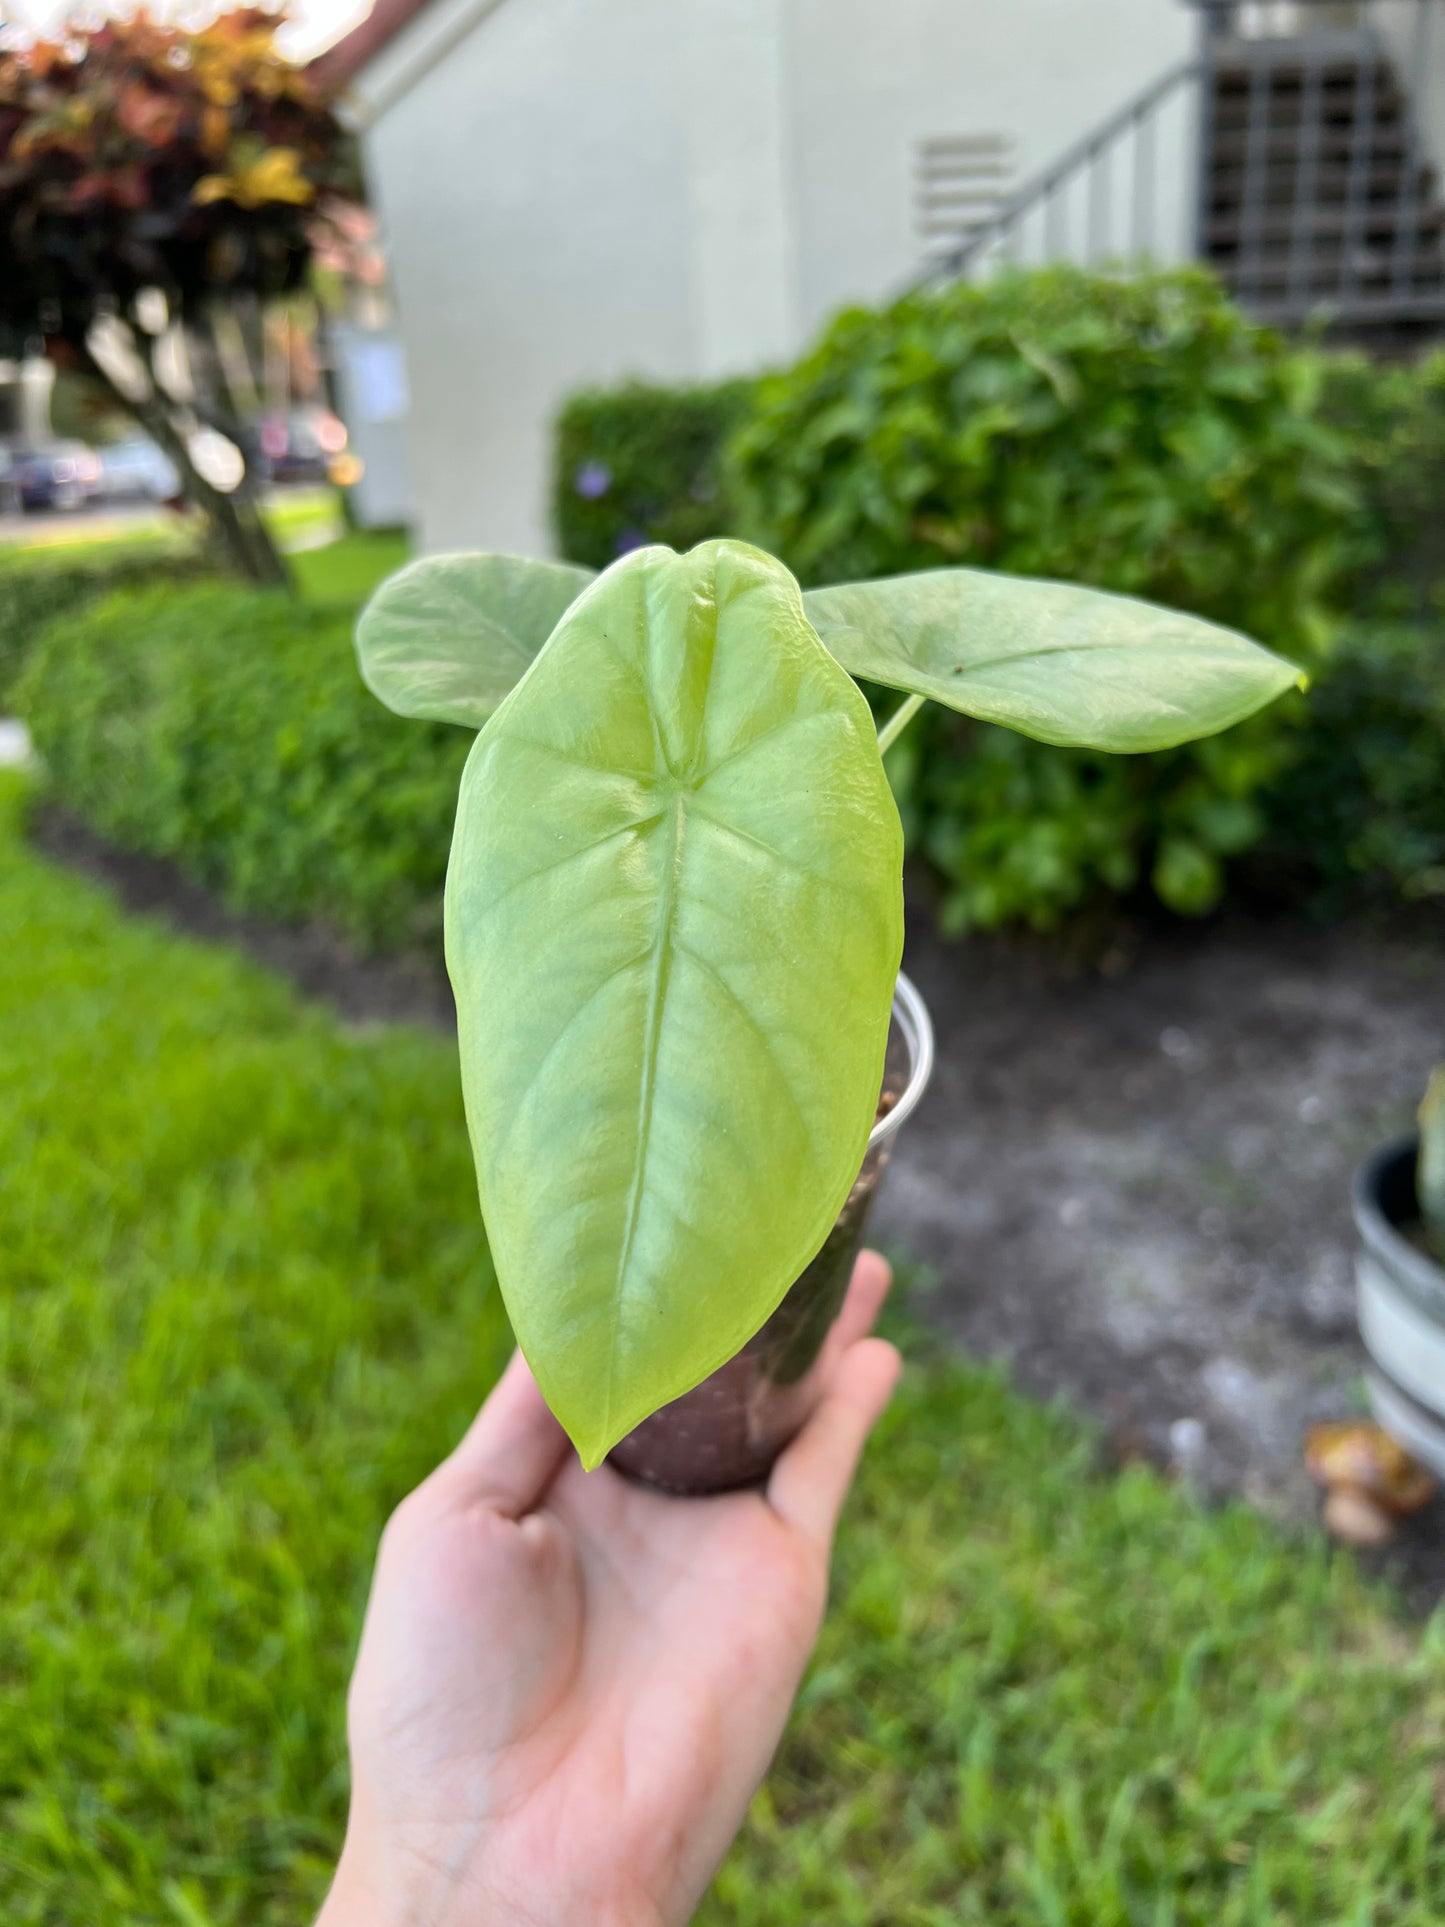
x,y
37,584
643,464
1393,414
226,730
1356,818
1140,435
157,185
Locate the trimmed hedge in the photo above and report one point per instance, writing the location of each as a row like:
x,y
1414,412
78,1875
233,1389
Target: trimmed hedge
x,y
1358,815
38,584
228,730
643,464
1139,434
1394,416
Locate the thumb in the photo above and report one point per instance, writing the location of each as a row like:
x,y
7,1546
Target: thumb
x,y
810,1481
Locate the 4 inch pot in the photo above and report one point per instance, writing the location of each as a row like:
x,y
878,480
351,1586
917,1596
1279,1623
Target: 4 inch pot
x,y
1402,1306
727,1431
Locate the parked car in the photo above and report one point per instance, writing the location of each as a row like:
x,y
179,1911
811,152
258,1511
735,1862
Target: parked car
x,y
301,445
65,475
135,470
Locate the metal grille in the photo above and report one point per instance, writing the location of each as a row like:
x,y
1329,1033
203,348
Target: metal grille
x,y
1098,202
960,184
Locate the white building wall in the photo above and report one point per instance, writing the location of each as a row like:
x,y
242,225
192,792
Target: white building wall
x,y
534,191
575,191
872,78
743,244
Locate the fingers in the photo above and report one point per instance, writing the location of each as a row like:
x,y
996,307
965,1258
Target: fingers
x,y
514,1447
868,1287
810,1481
863,1301
511,1451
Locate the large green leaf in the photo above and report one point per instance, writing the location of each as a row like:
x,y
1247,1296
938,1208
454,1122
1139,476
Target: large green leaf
x,y
1063,664
446,637
673,919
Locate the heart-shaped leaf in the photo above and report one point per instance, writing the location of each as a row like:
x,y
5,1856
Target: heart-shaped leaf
x,y
1063,664
674,920
445,638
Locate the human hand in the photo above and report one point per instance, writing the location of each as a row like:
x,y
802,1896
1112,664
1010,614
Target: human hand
x,y
569,1686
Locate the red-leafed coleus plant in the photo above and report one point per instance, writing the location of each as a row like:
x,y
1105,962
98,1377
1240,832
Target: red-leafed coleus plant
x,y
157,185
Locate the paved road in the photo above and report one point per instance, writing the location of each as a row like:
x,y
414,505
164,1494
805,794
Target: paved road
x,y
102,520
95,523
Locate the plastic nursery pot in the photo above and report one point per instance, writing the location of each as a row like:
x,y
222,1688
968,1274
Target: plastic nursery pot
x,y
1401,1304
727,1431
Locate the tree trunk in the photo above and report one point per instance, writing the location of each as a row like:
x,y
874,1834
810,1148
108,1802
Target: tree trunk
x,y
235,518
221,408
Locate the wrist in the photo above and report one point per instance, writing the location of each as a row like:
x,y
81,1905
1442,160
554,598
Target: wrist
x,y
406,1889
397,1888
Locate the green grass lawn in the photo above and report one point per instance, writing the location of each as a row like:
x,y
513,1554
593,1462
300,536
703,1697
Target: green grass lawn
x,y
242,1311
344,573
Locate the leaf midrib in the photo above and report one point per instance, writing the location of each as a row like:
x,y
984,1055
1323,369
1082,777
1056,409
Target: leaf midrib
x,y
660,964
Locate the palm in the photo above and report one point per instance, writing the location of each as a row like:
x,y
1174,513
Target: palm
x,y
698,1621
591,1682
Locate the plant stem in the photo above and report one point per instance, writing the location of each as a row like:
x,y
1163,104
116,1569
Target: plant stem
x,y
898,722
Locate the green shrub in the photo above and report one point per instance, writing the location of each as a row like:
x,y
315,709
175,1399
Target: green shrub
x,y
1141,435
1358,815
1394,416
1026,834
228,730
36,584
643,464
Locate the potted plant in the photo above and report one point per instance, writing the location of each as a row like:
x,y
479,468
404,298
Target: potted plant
x,y
674,920
1400,1273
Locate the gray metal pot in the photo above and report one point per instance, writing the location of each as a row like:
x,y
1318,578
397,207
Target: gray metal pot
x,y
1401,1305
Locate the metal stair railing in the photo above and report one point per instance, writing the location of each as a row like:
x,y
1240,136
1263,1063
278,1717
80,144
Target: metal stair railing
x,y
1299,251
1090,162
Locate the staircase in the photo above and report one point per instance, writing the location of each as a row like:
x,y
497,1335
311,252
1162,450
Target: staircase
x,y
1317,202
1316,197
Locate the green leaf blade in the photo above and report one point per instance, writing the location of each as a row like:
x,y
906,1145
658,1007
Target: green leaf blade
x,y
674,920
1078,667
444,639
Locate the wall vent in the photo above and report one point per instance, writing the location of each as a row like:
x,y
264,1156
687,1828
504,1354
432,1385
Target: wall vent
x,y
960,182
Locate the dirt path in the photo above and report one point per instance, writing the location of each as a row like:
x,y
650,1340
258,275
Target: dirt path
x,y
1137,1191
